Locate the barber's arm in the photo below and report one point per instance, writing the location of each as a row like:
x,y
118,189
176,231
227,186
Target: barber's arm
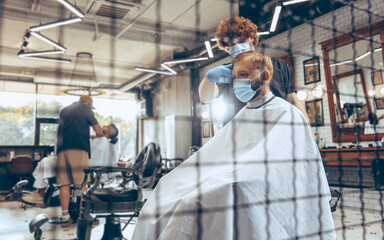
x,y
293,99
208,89
97,128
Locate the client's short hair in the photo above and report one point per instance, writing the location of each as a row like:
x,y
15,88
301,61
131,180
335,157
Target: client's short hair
x,y
260,60
113,132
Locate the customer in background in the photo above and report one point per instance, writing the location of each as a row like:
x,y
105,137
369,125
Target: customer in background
x,y
374,124
104,153
73,148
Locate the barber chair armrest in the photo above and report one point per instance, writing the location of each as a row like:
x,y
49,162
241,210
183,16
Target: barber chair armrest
x,y
98,171
168,162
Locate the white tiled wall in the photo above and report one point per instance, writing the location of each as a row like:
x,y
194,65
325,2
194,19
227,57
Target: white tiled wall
x,y
303,41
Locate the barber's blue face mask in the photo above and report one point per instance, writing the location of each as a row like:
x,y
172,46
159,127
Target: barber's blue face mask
x,y
242,87
239,48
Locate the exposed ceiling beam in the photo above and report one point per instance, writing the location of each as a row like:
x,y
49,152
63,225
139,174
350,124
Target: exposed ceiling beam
x,y
142,31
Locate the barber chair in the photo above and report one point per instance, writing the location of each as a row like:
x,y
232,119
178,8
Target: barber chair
x,y
36,223
21,166
19,189
124,200
333,203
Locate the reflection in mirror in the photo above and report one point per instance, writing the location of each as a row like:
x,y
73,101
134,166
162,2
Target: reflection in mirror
x,y
352,104
349,61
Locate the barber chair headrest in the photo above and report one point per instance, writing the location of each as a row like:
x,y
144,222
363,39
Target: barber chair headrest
x,y
148,161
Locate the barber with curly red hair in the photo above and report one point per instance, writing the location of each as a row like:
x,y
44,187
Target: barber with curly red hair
x,y
236,35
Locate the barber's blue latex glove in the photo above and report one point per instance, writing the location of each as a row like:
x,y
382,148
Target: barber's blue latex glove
x,y
221,74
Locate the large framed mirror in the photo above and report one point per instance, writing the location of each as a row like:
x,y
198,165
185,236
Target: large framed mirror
x,y
352,104
349,62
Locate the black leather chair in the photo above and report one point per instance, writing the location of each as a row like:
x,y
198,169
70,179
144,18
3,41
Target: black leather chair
x,y
123,200
21,167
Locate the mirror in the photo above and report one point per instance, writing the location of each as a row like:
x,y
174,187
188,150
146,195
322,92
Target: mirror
x,y
352,103
351,62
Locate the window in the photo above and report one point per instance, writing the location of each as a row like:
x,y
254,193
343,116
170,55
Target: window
x,y
122,113
17,118
49,106
46,131
27,118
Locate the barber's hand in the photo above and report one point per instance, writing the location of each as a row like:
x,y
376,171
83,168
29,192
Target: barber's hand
x,y
221,74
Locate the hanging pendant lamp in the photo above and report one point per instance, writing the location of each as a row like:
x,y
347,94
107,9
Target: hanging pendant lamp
x,y
83,79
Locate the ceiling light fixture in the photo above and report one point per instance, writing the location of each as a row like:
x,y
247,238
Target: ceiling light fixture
x,y
371,92
262,33
186,60
209,49
49,41
378,49
294,2
340,63
83,78
205,115
63,60
54,24
302,95
214,39
21,53
275,18
72,8
168,68
152,71
363,56
318,91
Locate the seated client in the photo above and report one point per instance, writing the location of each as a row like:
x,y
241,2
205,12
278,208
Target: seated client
x,y
104,153
374,124
260,177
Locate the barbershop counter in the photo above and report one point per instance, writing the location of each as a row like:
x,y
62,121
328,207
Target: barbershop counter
x,y
352,167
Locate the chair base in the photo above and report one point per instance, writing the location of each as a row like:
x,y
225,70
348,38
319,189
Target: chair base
x,y
112,229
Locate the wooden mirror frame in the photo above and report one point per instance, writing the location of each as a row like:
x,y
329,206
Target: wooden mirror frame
x,y
340,134
346,74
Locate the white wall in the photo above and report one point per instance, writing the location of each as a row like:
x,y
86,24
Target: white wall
x,y
304,43
172,96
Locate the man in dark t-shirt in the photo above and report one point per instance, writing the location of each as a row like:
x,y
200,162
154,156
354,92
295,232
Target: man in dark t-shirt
x,y
73,148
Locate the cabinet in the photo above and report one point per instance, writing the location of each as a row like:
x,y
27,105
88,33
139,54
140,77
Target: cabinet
x,y
352,167
351,156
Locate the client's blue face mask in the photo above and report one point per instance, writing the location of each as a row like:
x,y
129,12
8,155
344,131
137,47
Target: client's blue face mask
x,y
242,87
239,48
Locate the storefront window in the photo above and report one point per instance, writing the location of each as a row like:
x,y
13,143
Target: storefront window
x,y
49,106
122,113
22,125
17,118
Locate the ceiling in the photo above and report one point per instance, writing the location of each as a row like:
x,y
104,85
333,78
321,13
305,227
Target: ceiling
x,y
137,33
146,35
